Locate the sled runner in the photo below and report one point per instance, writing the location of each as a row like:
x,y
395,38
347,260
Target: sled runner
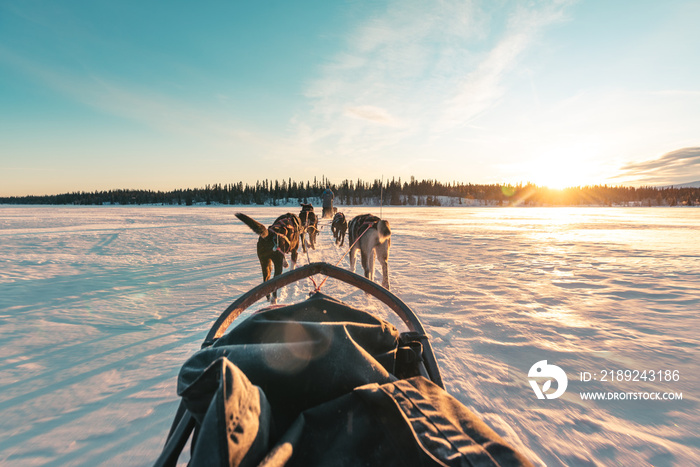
x,y
322,383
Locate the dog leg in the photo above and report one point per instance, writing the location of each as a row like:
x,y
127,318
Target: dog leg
x,y
368,263
383,257
278,264
295,256
266,265
353,258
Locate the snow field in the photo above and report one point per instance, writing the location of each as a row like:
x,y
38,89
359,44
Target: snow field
x,y
99,307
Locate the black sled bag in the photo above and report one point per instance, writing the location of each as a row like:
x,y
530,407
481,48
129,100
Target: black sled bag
x,y
314,384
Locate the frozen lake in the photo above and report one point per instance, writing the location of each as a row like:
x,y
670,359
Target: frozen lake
x,y
99,307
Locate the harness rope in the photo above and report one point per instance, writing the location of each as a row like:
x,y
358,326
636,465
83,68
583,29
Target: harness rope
x,y
308,258
318,289
306,248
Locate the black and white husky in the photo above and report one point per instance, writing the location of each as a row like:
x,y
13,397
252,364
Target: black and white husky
x,y
374,236
309,225
339,226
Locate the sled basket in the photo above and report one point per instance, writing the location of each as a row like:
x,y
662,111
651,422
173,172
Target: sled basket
x,y
322,383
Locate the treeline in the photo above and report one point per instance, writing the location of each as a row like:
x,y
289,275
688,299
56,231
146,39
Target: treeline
x,y
389,192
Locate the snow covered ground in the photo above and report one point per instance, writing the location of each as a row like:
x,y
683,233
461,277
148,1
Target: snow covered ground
x,y
99,307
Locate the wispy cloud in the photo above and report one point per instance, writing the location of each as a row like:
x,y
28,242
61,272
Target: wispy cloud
x,y
482,88
675,167
372,114
435,67
684,93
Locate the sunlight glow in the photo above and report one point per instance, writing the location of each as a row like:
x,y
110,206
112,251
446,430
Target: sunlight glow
x,y
559,169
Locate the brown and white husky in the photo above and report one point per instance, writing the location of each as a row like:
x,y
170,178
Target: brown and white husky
x,y
275,242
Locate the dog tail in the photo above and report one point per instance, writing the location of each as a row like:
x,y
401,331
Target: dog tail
x,y
255,226
384,230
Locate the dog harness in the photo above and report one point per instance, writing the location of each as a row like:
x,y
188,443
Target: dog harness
x,y
307,216
361,224
286,227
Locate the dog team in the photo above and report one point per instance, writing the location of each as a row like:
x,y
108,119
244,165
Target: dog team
x,y
367,234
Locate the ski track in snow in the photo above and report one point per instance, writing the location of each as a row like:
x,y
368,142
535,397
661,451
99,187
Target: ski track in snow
x,y
100,306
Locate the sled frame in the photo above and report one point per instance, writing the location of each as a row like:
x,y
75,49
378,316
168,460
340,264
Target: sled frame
x,y
183,424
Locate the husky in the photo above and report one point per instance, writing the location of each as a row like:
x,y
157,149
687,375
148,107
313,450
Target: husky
x,y
274,242
338,227
309,225
370,234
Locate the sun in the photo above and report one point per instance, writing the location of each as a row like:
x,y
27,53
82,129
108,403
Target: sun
x,y
563,169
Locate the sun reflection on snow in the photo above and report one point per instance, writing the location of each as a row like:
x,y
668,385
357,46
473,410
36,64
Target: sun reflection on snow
x,y
562,316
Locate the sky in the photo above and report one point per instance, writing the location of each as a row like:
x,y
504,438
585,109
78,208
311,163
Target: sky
x,y
100,95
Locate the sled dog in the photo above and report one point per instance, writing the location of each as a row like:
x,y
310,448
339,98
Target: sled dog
x,y
338,227
309,225
374,235
274,242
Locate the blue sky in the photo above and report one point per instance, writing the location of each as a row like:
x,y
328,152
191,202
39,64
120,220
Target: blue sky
x,y
98,95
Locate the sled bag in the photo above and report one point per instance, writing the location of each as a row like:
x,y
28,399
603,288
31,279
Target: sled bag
x,y
313,384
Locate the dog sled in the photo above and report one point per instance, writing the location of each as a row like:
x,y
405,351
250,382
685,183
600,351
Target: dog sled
x,y
322,383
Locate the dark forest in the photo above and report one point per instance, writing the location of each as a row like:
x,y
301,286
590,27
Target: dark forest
x,y
388,192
